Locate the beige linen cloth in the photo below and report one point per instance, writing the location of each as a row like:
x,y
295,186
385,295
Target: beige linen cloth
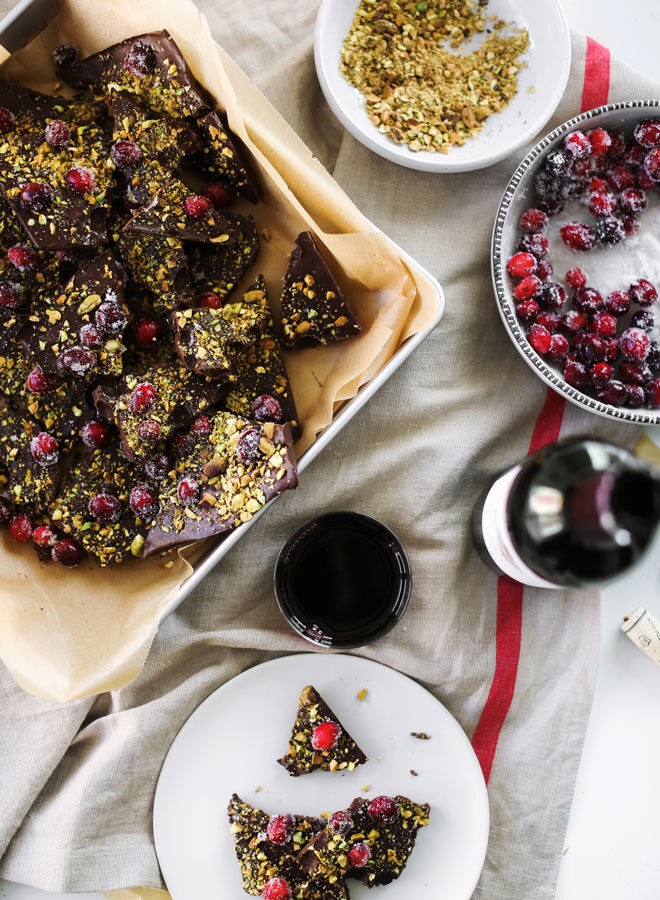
x,y
77,780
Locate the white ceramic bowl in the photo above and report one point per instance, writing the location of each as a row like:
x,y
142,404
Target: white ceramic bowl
x,y
541,85
517,198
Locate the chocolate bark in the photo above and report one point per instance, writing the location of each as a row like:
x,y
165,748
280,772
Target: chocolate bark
x,y
222,158
27,485
217,269
160,265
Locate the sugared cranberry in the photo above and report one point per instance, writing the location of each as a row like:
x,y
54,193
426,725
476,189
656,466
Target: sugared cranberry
x,y
557,163
634,373
57,133
125,154
577,236
558,347
574,320
578,145
340,822
643,292
634,395
247,446
143,398
10,297
359,855
77,361
576,278
630,225
620,176
22,257
266,408
187,491
383,810
20,528
644,182
601,374
276,889
66,553
618,144
652,392
326,735
183,443
110,317
197,206
94,434
540,339
43,536
643,319
521,264
44,449
647,133
612,350
552,296
90,335
588,300
148,332
37,196
81,179
600,141
105,508
527,288
7,120
581,169
601,203
149,431
592,349
201,426
603,324
534,243
141,59
635,344
65,56
609,231
550,320
38,382
280,829
577,339
634,154
209,300
528,310
157,466
613,393
551,204
218,194
143,501
617,303
544,270
632,200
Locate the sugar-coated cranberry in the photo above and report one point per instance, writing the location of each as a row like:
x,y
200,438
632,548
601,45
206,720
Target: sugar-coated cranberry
x,y
65,56
597,185
544,270
141,59
581,169
620,176
647,133
578,145
540,338
592,349
577,338
187,491
617,303
105,508
558,347
90,336
94,434
266,408
550,320
183,443
276,889
340,822
37,196
643,319
603,324
601,203
527,288
609,231
521,264
81,179
77,361
644,182
20,528
22,257
600,141
618,144
576,278
634,155
148,431
634,373
57,133
247,446
197,206
383,810
202,426
612,350
574,320
143,398
635,344
326,735
218,194
551,205
552,296
613,393
632,200
157,466
143,501
577,236
44,449
634,395
7,120
43,536
537,244
280,829
576,374
643,292
110,317
148,332
66,553
557,163
359,855
588,300
652,393
209,300
630,225
528,310
10,297
125,154
601,374
38,382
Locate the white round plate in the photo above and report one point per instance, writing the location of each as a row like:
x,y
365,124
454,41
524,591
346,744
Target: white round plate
x,y
231,744
540,87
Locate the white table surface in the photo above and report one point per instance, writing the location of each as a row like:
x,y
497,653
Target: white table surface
x,y
612,847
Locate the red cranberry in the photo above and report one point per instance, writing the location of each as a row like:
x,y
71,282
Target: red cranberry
x,y
326,735
634,154
630,225
143,501
534,243
576,278
592,349
544,270
197,206
578,145
613,393
601,203
635,344
276,889
647,133
57,133
187,491
383,810
603,324
652,391
601,374
38,382
588,300
574,320
183,443
247,446
141,59
597,184
558,347
620,176
7,120
521,264
125,154
20,528
9,295
143,398
157,466
90,336
577,236
66,553
148,332
643,292
94,434
65,56
612,350
618,144
266,409
44,449
617,303
340,822
634,373
644,182
540,339
148,431
609,231
280,829
557,163
37,196
576,374
528,310
43,536
22,257
632,200
359,855
218,194
550,320
202,426
581,169
77,361
110,317
600,141
527,288
105,508
634,395
209,300
81,180
643,319
552,296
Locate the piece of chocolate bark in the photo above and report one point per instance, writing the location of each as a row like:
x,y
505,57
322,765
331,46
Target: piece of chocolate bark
x,y
222,158
160,265
370,841
234,468
217,269
160,138
314,310
30,458
318,739
262,858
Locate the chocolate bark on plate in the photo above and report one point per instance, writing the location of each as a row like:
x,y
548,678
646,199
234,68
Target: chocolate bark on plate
x,y
311,748
261,859
314,310
30,483
222,158
389,835
217,269
225,479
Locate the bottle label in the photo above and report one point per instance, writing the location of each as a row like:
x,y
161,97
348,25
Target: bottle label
x,y
643,629
496,535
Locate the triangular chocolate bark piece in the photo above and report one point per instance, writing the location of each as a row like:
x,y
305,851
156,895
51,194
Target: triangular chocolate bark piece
x,y
217,268
319,740
222,159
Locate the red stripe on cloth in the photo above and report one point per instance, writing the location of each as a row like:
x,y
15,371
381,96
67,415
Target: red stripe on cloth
x,y
508,632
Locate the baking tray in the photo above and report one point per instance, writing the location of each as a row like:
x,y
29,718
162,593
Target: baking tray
x,y
25,21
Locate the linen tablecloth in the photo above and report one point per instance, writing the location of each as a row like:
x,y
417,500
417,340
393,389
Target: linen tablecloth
x,y
516,667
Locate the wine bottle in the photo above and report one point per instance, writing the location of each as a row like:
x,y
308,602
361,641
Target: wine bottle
x,y
578,513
